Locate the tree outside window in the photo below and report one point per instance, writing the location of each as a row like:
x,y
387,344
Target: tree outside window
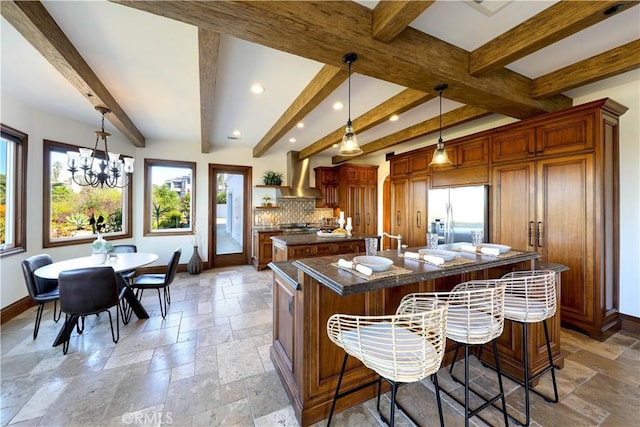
x,y
168,189
77,213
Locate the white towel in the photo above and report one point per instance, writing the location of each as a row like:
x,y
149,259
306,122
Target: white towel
x,y
367,271
436,260
480,249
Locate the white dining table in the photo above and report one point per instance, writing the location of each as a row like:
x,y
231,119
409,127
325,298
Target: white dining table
x,y
120,262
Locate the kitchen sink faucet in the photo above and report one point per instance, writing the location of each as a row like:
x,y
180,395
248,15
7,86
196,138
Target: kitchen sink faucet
x,y
398,238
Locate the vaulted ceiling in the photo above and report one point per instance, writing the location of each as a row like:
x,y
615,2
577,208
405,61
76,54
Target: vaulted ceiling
x,y
181,71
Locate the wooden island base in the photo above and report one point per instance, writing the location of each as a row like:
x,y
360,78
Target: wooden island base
x,y
307,292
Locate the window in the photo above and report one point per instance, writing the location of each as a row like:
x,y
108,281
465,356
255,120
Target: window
x,y
168,186
13,180
69,208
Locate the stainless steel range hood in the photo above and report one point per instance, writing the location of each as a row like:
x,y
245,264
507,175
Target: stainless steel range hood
x,y
298,179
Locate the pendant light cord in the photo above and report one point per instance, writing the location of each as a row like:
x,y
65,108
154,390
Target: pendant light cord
x,y
349,120
440,137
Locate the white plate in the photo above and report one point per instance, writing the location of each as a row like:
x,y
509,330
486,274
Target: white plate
x,y
502,248
376,263
445,255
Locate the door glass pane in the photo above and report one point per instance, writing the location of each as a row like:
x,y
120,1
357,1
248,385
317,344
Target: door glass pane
x,y
229,213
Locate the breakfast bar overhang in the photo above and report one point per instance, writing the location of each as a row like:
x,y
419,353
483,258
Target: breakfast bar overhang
x,y
306,292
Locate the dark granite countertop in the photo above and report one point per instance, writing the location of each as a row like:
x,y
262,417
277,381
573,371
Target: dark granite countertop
x,y
345,283
287,271
314,239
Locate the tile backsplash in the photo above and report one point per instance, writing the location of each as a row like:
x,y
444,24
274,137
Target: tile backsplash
x,y
289,211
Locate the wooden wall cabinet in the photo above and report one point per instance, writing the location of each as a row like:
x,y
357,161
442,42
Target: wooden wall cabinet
x,y
358,195
565,206
327,180
409,214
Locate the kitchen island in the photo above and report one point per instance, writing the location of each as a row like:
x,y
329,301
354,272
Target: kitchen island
x,y
308,291
292,247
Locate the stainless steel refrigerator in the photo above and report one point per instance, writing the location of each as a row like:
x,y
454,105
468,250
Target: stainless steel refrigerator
x,y
454,212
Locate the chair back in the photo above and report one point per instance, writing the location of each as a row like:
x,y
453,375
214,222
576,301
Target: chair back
x,y
530,296
172,266
401,347
124,249
476,311
37,286
88,290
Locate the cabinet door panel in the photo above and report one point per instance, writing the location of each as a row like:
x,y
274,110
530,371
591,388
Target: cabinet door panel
x,y
399,207
565,220
566,135
513,145
419,222
512,215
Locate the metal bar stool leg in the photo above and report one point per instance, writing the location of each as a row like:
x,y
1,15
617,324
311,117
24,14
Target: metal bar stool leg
x,y
335,396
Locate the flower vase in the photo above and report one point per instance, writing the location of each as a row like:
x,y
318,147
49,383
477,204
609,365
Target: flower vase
x,y
194,266
98,250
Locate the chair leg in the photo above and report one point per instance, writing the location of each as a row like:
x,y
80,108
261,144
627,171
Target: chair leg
x,y
71,320
434,379
394,392
335,396
36,327
466,385
163,312
455,356
114,337
504,401
55,306
551,367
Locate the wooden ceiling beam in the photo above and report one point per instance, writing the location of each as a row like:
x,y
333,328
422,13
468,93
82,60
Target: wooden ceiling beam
x,y
398,104
208,48
613,62
452,118
549,26
38,27
321,86
391,17
323,31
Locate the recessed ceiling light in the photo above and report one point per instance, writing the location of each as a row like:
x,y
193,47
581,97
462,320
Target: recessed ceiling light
x,y
300,125
292,140
257,88
394,118
338,105
237,133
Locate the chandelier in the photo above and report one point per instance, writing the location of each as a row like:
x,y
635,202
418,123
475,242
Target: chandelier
x,y
349,146
91,168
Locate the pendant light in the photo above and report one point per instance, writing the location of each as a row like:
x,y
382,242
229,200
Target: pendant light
x,y
349,145
440,156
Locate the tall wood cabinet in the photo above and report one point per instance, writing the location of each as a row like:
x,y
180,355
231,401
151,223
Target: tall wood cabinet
x,y
354,189
562,201
553,189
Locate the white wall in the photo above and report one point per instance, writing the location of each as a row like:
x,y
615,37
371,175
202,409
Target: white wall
x,y
624,89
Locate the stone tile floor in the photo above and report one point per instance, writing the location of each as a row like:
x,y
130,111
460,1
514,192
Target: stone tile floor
x,y
208,363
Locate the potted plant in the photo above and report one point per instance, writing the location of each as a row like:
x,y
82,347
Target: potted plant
x,y
272,178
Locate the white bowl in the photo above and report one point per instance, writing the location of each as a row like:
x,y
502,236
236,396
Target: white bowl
x,y
376,263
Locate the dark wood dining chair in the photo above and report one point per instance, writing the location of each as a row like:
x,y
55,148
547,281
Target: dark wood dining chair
x,y
41,291
86,291
160,282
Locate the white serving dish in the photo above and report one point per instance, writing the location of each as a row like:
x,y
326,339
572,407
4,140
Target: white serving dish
x,y
445,255
376,263
502,248
329,234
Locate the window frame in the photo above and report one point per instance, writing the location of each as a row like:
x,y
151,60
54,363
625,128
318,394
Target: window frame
x,y
21,140
47,242
148,192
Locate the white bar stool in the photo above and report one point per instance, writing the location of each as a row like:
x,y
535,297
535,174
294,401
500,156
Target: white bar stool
x,y
475,316
401,348
530,297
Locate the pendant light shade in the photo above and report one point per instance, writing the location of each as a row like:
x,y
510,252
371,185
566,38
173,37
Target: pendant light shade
x,y
349,146
440,156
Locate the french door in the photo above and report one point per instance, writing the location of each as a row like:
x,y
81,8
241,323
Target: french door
x,y
229,214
